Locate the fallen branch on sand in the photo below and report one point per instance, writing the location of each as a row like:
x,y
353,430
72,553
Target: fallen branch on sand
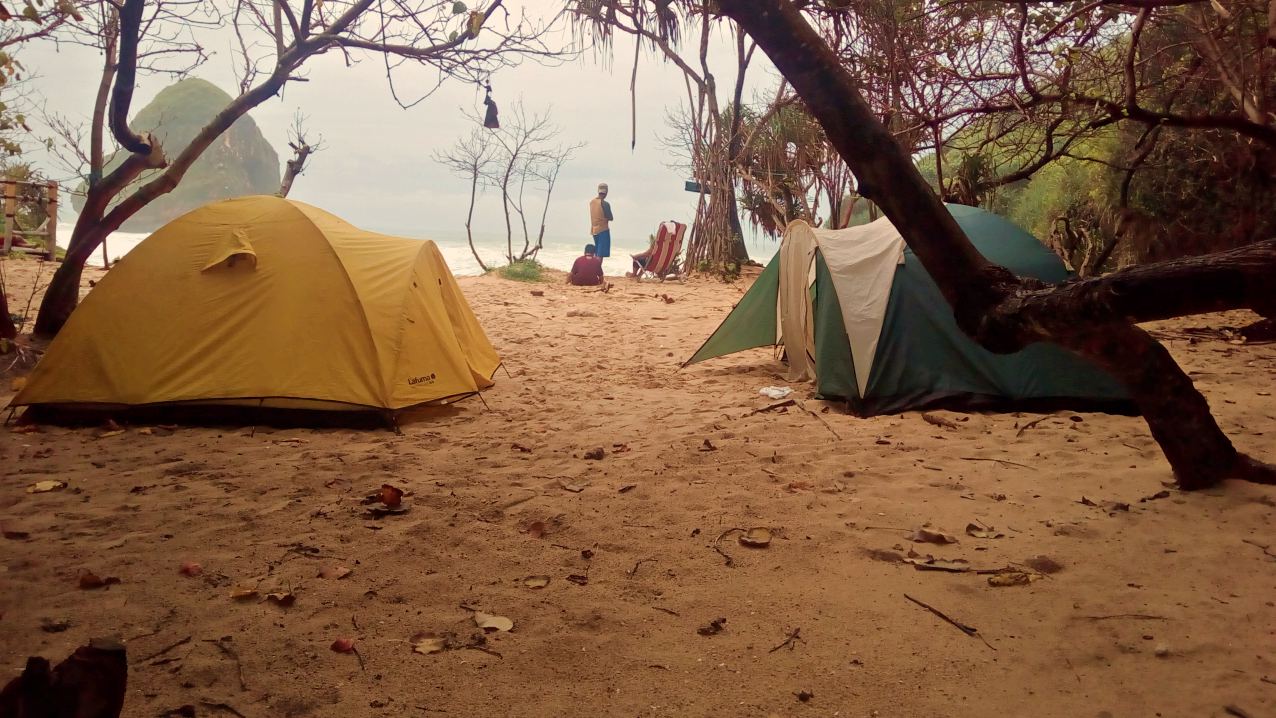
x,y
1029,425
729,561
166,649
230,653
800,405
794,636
968,630
999,461
772,407
634,571
821,420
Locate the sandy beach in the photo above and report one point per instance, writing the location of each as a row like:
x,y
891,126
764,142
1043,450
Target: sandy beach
x,y
1140,600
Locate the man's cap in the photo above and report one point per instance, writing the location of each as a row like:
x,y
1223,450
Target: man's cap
x,y
602,186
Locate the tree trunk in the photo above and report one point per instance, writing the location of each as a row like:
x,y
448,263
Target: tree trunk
x,y
7,329
96,222
469,219
63,293
91,229
294,167
505,205
737,250
999,310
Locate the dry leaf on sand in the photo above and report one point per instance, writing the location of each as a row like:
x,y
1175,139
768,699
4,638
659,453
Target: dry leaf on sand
x,y
713,628
41,487
984,532
757,537
427,643
1043,564
282,598
389,495
489,622
1010,578
243,593
335,573
380,512
536,581
928,536
930,563
90,580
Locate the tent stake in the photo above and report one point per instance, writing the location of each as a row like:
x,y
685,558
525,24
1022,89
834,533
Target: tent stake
x,y
393,421
256,418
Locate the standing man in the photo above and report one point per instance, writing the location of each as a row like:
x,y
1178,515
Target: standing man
x,y
600,223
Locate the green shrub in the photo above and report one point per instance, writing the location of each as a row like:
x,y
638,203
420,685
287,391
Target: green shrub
x,y
523,270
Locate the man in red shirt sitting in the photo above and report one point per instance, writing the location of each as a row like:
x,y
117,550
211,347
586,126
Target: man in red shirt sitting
x,y
587,271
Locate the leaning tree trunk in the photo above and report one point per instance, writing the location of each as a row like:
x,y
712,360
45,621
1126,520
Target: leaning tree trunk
x,y
98,219
7,329
1003,312
295,166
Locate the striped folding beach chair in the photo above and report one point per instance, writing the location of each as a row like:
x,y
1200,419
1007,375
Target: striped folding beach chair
x,y
663,262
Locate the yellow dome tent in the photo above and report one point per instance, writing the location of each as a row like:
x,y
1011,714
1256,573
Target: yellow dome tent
x,y
264,301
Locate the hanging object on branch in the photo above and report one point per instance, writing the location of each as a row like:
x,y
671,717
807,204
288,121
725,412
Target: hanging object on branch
x,y
490,120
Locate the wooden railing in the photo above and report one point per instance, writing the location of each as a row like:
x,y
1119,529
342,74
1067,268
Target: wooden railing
x,y
47,231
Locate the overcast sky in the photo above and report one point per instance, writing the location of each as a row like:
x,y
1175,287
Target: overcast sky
x,y
376,169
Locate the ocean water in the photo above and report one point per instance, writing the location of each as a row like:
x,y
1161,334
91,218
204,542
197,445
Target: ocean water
x,y
558,253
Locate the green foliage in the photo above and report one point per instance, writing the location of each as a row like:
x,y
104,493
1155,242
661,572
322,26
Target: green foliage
x,y
13,124
239,162
523,270
726,271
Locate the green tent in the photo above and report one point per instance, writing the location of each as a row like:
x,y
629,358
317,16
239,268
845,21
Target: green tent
x,y
873,329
